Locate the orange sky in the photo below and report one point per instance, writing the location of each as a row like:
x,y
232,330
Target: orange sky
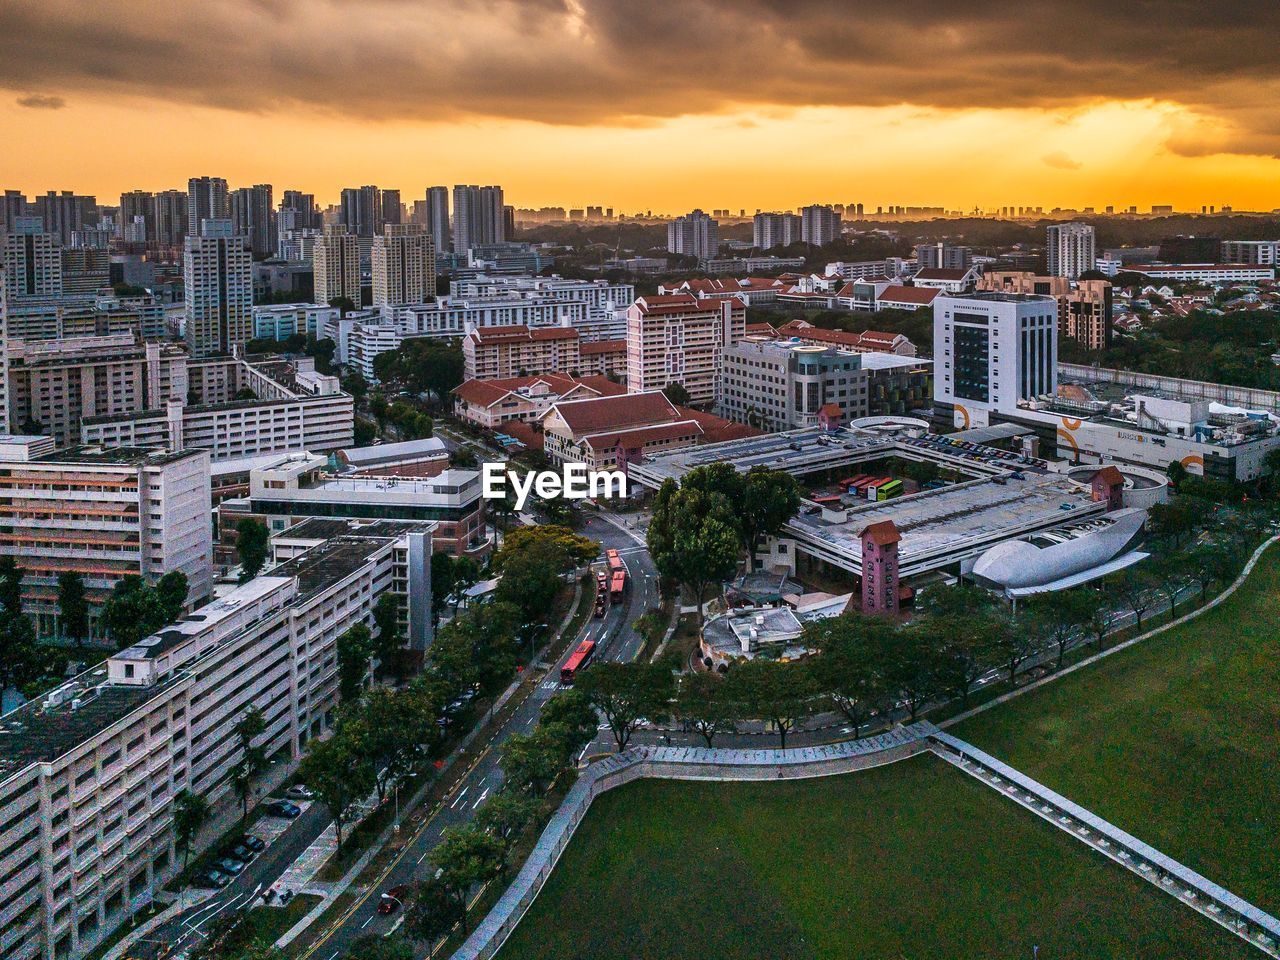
x,y
588,101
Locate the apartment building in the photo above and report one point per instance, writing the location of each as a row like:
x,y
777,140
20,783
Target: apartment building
x,y
694,235
32,262
217,274
607,302
335,262
104,513
1264,253
404,265
295,408
89,770
299,486
1071,249
679,339
280,321
85,316
785,385
1084,306
513,351
769,230
943,256
819,224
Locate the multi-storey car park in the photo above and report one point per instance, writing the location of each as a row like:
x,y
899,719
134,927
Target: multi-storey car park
x,y
1005,496
89,770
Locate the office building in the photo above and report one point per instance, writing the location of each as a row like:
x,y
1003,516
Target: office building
x,y
254,218
89,771
943,256
992,351
404,266
819,225
1084,306
206,200
217,273
769,230
1071,249
784,385
693,235
478,217
680,339
171,219
436,218
104,513
32,262
335,263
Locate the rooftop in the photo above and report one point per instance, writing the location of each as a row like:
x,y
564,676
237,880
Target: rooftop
x,y
115,456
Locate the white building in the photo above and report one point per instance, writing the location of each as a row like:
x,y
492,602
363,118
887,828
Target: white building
x,y
280,321
1208,272
217,273
992,350
819,224
404,266
1264,253
1071,249
693,235
769,230
607,302
89,771
454,317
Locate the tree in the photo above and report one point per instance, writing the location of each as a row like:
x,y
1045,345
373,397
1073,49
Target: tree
x,y
1098,623
571,715
19,656
677,394
966,646
1059,617
626,694
779,692
435,910
531,580
253,757
466,857
769,499
340,775
1172,522
388,728
531,762
703,703
1133,587
253,547
133,611
171,590
914,673
574,549
386,617
73,607
694,538
190,814
852,663
1209,563
355,647
504,816
10,585
1169,574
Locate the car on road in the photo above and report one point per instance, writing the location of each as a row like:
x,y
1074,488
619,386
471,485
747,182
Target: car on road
x,y
211,879
239,852
283,808
256,844
393,899
229,865
299,791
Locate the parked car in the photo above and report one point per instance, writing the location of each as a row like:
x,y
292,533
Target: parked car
x,y
393,899
240,852
256,844
230,865
212,879
283,808
299,791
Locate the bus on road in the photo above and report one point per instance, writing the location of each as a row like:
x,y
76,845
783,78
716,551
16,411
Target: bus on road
x,y
577,660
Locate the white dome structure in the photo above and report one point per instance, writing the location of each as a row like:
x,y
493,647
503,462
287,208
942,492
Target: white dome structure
x,y
1019,566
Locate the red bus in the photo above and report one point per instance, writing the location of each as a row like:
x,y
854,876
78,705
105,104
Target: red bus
x,y
577,660
615,561
618,586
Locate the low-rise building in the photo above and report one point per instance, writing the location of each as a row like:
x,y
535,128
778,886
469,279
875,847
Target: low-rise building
x,y
753,291
867,341
609,432
280,321
408,458
951,281
492,403
1209,272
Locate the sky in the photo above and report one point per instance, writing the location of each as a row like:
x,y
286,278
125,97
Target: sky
x,y
658,105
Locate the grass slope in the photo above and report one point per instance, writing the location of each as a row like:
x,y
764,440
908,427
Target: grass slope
x,y
909,860
1175,740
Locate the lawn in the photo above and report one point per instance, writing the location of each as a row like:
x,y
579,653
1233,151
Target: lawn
x,y
912,860
1174,740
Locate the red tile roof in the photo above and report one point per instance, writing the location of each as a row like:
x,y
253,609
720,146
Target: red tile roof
x,y
882,533
937,273
517,332
901,294
678,303
593,416
638,436
488,392
592,347
716,429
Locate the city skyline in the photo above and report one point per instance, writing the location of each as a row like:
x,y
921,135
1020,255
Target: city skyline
x,y
879,104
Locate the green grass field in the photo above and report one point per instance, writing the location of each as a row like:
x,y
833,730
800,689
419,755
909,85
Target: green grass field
x,y
913,860
1176,740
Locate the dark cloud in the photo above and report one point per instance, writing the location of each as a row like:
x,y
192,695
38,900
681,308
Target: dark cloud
x,y
39,101
627,62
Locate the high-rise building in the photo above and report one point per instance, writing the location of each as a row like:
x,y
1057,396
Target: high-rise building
x,y
32,262
769,230
335,262
135,204
254,218
478,217
1262,252
218,276
679,339
943,256
819,224
992,350
1071,249
404,265
206,200
297,212
390,208
64,213
360,211
693,235
171,219
12,206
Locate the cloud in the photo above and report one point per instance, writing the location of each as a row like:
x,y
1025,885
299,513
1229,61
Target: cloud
x,y
1059,160
39,101
582,62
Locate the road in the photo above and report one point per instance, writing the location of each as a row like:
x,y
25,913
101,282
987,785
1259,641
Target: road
x,y
617,641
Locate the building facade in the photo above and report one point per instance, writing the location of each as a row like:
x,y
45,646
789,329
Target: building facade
x,y
680,339
819,224
1084,306
1071,249
769,230
694,235
404,266
335,263
217,272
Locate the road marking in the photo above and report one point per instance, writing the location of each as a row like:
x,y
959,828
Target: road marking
x,y
367,922
458,798
481,800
